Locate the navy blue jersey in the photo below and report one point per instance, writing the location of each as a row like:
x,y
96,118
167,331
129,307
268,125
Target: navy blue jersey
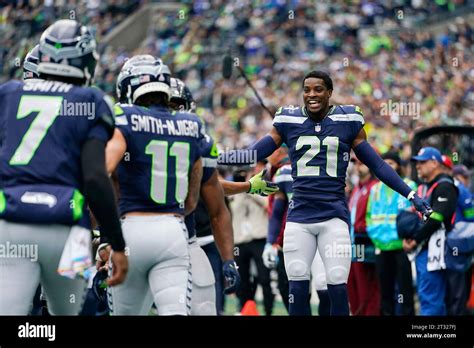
x,y
209,156
319,153
162,148
43,126
284,180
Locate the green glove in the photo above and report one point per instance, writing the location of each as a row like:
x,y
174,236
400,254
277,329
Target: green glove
x,y
262,187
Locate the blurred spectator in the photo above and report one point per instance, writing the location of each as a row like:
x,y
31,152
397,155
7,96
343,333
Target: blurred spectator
x,y
392,265
458,285
463,175
428,243
362,285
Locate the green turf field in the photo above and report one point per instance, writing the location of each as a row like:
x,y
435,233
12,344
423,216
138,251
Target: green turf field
x,y
232,307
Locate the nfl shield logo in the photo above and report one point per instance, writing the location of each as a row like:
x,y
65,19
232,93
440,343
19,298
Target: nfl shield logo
x,y
317,128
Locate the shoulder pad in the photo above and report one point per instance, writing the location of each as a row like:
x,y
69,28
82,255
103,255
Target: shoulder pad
x,y
347,113
289,110
289,114
350,109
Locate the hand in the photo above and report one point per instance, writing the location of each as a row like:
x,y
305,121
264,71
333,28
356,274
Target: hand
x,y
104,256
420,205
262,187
270,256
232,276
119,268
409,245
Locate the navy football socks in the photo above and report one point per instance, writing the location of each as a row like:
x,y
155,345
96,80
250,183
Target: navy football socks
x,y
324,308
298,297
338,298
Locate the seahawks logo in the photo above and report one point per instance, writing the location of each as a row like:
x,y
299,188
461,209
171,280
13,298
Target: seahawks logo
x,y
85,44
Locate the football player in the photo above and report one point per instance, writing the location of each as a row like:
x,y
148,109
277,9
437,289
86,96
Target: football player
x,y
320,137
272,254
52,159
211,205
30,64
203,301
159,174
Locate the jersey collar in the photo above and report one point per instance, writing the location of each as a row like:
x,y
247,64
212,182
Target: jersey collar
x,y
330,111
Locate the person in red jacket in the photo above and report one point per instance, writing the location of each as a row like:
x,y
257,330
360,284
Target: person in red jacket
x,y
363,286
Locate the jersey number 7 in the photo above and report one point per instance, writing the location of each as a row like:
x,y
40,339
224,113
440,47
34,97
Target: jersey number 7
x,y
48,108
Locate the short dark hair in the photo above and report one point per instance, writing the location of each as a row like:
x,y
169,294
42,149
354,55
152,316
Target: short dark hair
x,y
320,75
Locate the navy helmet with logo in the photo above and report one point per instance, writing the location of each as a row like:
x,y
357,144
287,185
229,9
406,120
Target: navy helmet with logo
x,y
68,49
140,75
30,64
181,97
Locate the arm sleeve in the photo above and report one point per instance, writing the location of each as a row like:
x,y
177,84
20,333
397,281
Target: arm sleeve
x,y
274,225
99,193
257,152
382,170
442,210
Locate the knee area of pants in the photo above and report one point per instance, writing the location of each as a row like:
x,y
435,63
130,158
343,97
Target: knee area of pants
x,y
320,282
337,275
297,269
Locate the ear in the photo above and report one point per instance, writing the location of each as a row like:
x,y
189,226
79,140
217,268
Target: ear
x,y
330,92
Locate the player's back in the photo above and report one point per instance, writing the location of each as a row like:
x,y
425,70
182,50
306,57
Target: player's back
x,y
319,153
162,148
43,126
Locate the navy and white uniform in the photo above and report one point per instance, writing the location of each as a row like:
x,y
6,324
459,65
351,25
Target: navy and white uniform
x,y
318,215
153,176
284,180
43,127
203,300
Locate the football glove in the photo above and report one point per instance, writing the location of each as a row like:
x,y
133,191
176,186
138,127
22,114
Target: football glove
x,y
262,187
420,205
270,256
232,276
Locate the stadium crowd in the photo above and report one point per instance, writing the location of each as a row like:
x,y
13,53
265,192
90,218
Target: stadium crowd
x,y
277,43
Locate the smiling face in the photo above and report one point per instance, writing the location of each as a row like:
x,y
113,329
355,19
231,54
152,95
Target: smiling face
x,y
316,95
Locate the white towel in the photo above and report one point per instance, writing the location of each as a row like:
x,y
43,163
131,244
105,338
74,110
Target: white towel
x,y
436,246
76,259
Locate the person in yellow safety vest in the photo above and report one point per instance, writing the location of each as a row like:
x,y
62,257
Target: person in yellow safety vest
x,y
392,265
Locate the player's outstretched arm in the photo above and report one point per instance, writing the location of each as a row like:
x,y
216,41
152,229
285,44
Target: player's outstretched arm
x,y
234,188
257,152
365,152
115,150
100,196
194,187
256,185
